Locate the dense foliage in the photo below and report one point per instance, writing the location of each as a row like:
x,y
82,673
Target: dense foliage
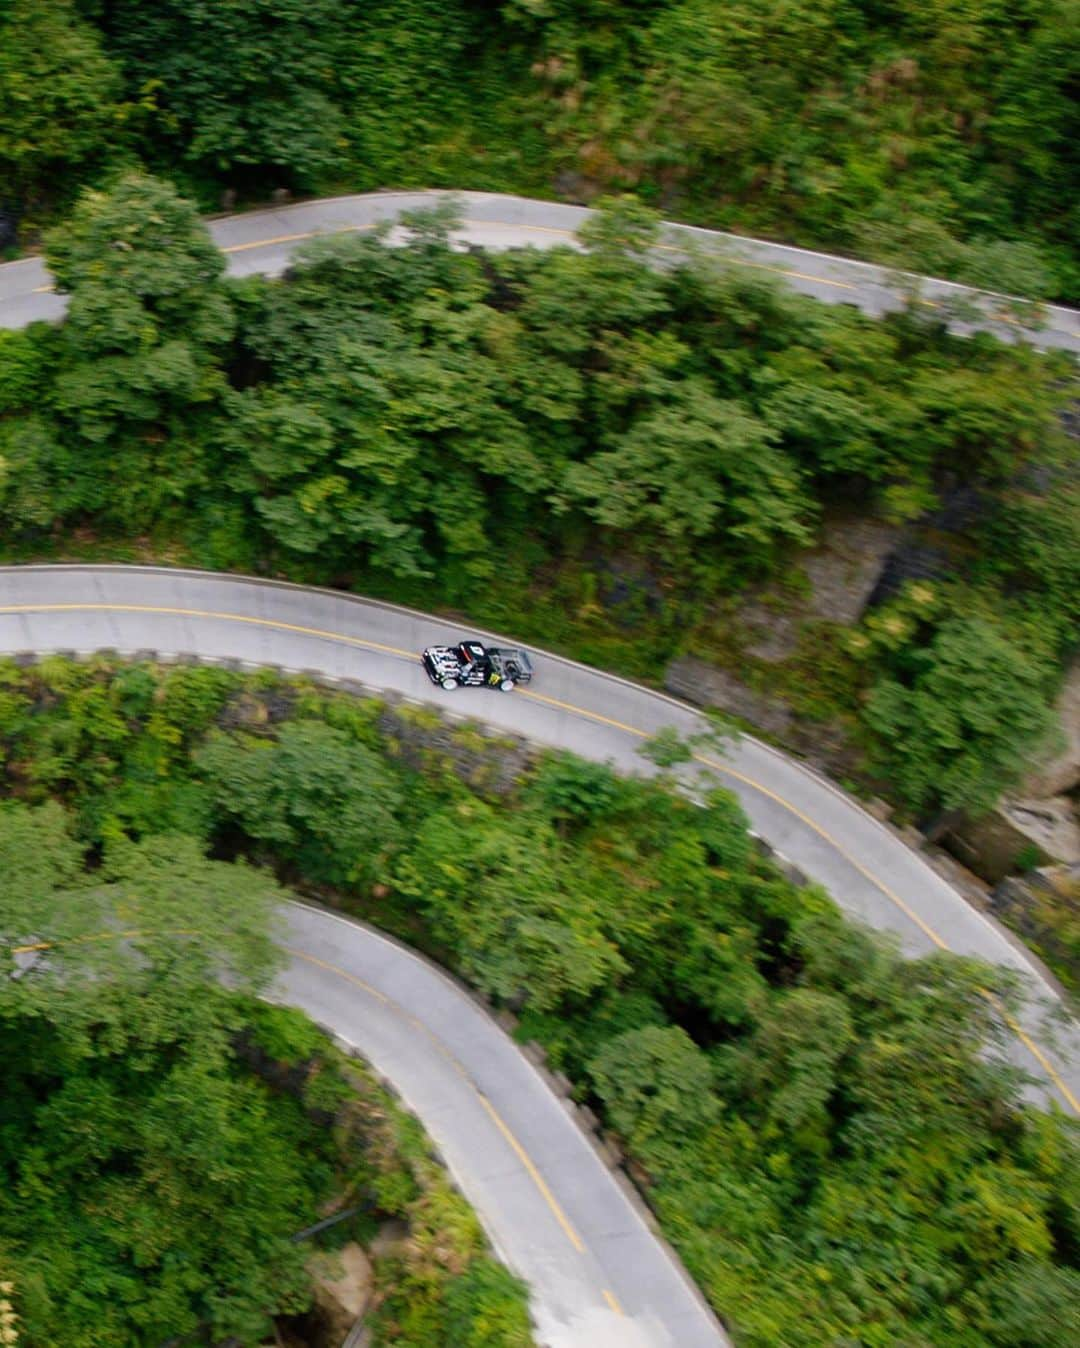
x,y
566,443
814,1118
149,1187
936,133
150,1181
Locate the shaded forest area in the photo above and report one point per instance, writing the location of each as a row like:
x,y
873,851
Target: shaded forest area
x,y
940,135
165,1138
813,1118
570,445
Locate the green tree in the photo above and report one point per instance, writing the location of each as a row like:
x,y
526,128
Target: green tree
x,y
60,109
314,796
963,719
244,90
791,1061
146,326
148,1189
485,1308
1032,541
498,893
655,1083
159,931
37,856
693,469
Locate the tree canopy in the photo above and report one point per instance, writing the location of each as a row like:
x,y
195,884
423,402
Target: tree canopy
x,y
568,442
149,1190
934,136
151,1180
828,1132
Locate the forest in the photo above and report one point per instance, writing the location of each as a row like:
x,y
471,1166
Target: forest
x,y
164,1139
602,457
569,444
939,135
763,1063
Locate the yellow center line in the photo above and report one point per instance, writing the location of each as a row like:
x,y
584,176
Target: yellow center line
x,y
268,243
522,1155
296,238
133,935
1033,1048
177,612
500,1123
749,262
675,248
363,643
765,791
613,1301
334,969
301,235
534,1174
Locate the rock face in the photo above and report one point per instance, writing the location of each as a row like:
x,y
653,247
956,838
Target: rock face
x,y
342,1284
707,686
993,845
696,681
843,572
1043,907
1049,824
390,1239
1061,773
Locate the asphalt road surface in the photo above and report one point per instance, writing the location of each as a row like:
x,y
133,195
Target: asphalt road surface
x,y
873,875
598,1278
264,241
554,1213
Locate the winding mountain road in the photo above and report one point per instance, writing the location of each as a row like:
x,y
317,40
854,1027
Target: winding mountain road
x,y
264,241
553,1210
599,1279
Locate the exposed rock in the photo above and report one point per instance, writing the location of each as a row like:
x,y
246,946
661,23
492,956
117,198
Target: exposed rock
x,y
390,1239
932,547
825,746
1049,824
844,570
342,1285
706,686
774,634
1041,907
1062,772
994,845
575,187
490,762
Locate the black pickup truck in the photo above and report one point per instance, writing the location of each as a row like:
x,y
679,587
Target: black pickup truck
x,y
471,664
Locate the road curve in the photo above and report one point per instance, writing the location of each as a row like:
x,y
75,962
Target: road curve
x,y
873,875
598,1278
553,1211
263,241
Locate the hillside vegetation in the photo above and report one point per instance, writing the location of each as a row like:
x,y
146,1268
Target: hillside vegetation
x,y
150,1180
813,1118
940,134
567,444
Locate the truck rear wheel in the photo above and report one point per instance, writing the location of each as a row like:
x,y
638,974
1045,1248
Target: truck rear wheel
x,y
507,686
